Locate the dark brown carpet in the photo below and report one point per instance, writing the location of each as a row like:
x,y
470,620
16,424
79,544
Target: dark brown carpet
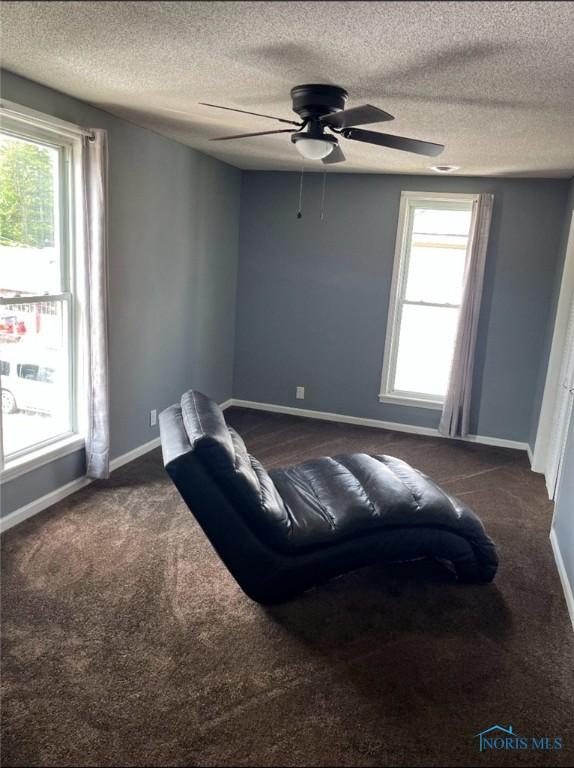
x,y
126,642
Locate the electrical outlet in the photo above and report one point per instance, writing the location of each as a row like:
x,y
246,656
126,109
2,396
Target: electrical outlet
x,y
300,393
153,418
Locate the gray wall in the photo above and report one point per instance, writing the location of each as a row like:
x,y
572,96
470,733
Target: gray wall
x,y
313,296
564,512
174,219
547,345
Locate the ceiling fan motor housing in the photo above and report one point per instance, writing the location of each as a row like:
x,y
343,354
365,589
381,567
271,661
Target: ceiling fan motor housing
x,y
314,100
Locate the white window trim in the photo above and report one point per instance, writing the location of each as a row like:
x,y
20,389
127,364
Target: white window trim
x,y
386,395
56,449
51,129
33,118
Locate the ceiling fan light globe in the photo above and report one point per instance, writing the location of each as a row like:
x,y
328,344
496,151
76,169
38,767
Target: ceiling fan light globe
x,y
314,149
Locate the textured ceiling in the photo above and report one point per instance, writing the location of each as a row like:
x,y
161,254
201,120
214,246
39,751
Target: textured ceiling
x,y
494,82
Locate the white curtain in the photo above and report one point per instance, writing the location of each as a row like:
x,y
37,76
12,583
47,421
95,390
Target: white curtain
x,y
456,411
95,183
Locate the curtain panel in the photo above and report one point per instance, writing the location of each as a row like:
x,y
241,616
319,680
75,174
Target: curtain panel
x,y
455,419
95,220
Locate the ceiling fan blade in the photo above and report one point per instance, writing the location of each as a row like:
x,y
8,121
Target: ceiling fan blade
x,y
335,156
394,142
245,112
248,135
347,118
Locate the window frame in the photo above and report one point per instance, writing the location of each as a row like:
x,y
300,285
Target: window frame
x,y
408,202
22,122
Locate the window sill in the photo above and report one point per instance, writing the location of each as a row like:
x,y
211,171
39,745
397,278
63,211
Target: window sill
x,y
23,464
415,402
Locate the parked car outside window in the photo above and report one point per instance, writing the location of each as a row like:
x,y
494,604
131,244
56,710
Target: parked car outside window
x,y
28,379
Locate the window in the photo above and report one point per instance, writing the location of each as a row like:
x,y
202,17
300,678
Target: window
x,y
38,297
426,294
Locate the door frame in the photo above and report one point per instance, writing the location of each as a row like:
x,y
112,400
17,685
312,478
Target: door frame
x,y
551,391
562,412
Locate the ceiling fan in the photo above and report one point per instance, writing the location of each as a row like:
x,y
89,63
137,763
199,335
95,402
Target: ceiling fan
x,y
322,107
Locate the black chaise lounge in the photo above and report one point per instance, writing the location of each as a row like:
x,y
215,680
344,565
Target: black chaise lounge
x,y
282,532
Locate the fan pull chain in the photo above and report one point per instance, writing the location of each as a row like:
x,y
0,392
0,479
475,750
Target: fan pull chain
x,y
323,195
299,213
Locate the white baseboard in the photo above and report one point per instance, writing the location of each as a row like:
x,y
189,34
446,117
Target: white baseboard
x,y
135,453
566,586
39,505
530,456
377,423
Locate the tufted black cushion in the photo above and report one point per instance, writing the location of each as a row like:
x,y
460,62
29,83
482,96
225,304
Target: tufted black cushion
x,y
332,498
314,519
